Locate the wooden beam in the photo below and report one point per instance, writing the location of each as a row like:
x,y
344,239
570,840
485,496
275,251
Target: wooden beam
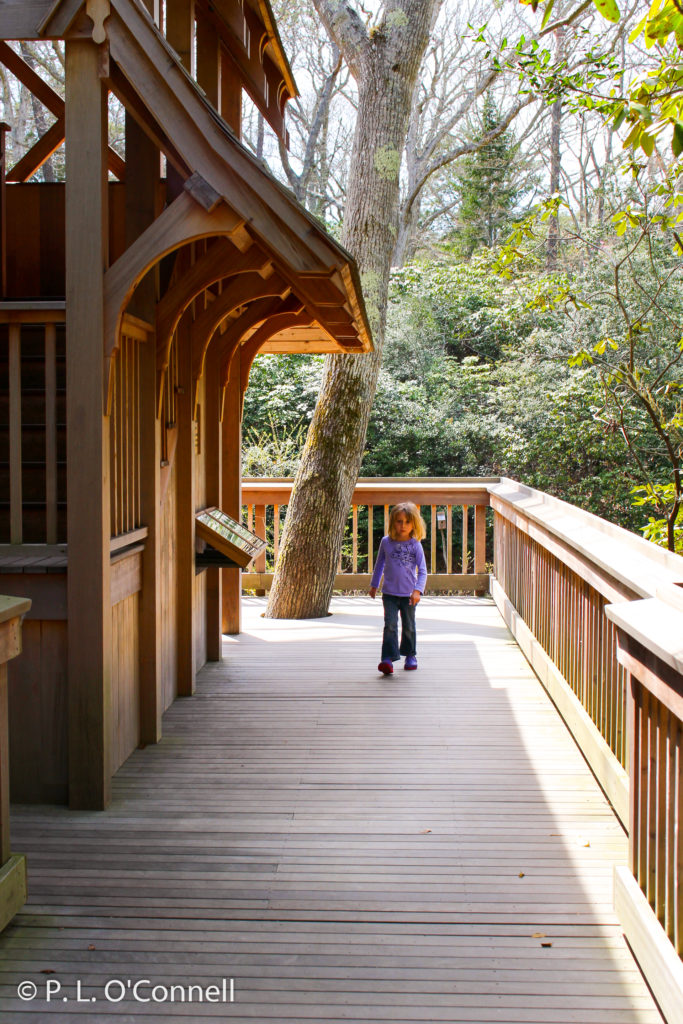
x,y
21,20
33,82
39,153
88,525
55,104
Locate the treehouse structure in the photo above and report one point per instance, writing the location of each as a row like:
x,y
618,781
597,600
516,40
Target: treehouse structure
x,y
135,295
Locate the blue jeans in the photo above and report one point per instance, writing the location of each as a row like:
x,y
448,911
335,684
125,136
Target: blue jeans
x,y
390,646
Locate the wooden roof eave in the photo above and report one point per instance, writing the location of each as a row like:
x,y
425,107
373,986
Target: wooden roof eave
x,y
207,145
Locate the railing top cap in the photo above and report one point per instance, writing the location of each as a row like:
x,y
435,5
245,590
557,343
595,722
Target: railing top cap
x,y
13,607
641,566
656,623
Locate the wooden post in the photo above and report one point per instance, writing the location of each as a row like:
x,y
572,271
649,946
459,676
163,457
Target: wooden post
x,y
212,448
208,74
142,176
12,868
232,492
230,94
260,531
185,490
88,513
480,543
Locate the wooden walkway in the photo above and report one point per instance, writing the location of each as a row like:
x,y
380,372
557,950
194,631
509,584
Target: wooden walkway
x,y
427,847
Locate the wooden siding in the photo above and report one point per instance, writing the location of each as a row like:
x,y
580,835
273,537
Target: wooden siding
x,y
35,237
346,846
38,714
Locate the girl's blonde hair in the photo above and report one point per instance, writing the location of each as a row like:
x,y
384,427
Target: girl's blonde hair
x,y
413,514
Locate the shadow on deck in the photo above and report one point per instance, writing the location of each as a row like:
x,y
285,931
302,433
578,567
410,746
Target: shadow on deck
x,y
427,847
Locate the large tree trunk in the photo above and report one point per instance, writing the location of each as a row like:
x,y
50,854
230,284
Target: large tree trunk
x,y
385,64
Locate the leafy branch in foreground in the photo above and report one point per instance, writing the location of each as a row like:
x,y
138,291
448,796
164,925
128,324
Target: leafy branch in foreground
x,y
624,314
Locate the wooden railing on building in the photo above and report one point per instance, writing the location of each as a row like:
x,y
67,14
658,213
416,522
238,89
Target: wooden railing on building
x,y
12,866
455,512
32,423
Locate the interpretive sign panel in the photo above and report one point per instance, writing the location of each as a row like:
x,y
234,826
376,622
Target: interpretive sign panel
x,y
228,536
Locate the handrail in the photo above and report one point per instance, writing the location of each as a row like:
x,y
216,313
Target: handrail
x,y
454,540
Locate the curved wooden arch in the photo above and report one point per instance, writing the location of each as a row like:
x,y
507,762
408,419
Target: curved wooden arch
x,y
250,349
181,222
221,260
248,288
230,341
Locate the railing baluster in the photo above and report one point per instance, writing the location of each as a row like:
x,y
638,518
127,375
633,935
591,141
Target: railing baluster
x,y
433,539
51,433
480,538
370,539
449,539
465,543
276,532
15,468
354,541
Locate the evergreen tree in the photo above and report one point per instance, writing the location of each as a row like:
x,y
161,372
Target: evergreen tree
x,y
489,185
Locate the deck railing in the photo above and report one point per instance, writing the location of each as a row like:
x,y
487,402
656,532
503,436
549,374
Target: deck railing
x,y
561,579
459,542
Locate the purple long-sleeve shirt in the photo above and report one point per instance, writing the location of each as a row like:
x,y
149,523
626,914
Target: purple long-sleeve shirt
x,y
404,567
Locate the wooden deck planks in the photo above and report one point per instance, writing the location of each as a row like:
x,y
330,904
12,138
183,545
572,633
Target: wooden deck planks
x,y
346,847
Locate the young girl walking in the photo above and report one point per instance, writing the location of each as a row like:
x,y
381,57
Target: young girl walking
x,y
401,559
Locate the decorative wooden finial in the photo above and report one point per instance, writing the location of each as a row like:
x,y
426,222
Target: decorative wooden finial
x,y
98,11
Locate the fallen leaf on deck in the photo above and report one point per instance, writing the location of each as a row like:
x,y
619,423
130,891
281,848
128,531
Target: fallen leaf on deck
x,y
425,831
521,874
538,935
546,945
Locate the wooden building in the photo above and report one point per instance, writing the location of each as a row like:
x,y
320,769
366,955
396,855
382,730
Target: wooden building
x,y
135,296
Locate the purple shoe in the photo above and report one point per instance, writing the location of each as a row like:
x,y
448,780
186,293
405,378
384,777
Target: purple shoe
x,y
386,668
411,663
